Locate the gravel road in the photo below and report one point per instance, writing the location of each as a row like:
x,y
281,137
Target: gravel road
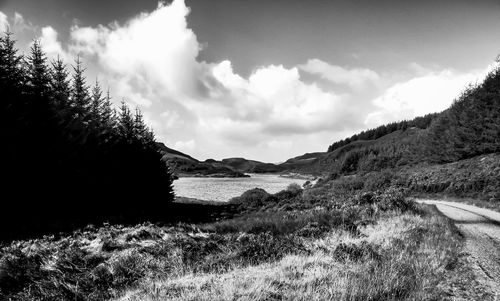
x,y
481,229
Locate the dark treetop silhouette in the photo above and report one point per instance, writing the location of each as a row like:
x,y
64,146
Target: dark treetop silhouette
x,y
67,157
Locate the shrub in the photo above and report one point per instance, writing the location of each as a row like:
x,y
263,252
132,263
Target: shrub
x,y
350,161
395,199
379,180
366,198
294,188
348,184
250,199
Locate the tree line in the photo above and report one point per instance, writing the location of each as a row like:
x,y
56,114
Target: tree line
x,y
67,156
469,127
421,122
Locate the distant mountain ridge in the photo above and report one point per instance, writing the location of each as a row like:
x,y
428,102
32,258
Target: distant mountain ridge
x,y
185,165
251,166
172,153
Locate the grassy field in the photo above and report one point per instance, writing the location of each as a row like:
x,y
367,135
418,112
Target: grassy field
x,y
336,240
401,257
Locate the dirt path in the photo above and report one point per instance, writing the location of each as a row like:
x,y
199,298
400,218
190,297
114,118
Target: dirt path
x,y
481,229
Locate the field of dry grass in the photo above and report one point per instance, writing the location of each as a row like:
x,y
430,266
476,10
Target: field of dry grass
x,y
401,257
334,241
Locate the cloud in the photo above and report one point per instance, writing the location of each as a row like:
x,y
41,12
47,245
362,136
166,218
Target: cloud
x,y
355,78
185,146
51,46
208,110
21,24
429,92
18,19
280,144
16,25
153,51
152,62
4,23
279,100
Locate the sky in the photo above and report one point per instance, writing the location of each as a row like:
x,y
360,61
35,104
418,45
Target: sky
x,y
267,80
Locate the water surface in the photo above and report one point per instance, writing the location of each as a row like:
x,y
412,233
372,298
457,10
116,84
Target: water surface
x,y
223,189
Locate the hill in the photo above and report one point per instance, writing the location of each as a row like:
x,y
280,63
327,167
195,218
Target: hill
x,y
186,166
183,165
340,160
168,153
251,166
469,128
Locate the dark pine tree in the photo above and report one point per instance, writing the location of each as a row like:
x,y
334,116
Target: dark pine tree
x,y
39,81
140,128
60,85
126,125
108,114
96,100
79,92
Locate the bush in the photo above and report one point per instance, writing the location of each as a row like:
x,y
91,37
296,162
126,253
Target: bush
x,y
294,188
351,160
349,184
366,198
395,199
251,199
379,180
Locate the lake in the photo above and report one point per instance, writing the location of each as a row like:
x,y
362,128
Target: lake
x,y
223,189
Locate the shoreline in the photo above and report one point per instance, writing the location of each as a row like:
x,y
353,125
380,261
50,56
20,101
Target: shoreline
x,y
189,200
216,175
299,176
288,175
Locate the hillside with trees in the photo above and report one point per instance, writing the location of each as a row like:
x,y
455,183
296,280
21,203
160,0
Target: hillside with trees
x,y
469,128
68,157
373,134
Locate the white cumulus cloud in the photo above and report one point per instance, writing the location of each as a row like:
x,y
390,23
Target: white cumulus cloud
x,y
4,23
153,51
356,78
426,93
51,45
152,62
